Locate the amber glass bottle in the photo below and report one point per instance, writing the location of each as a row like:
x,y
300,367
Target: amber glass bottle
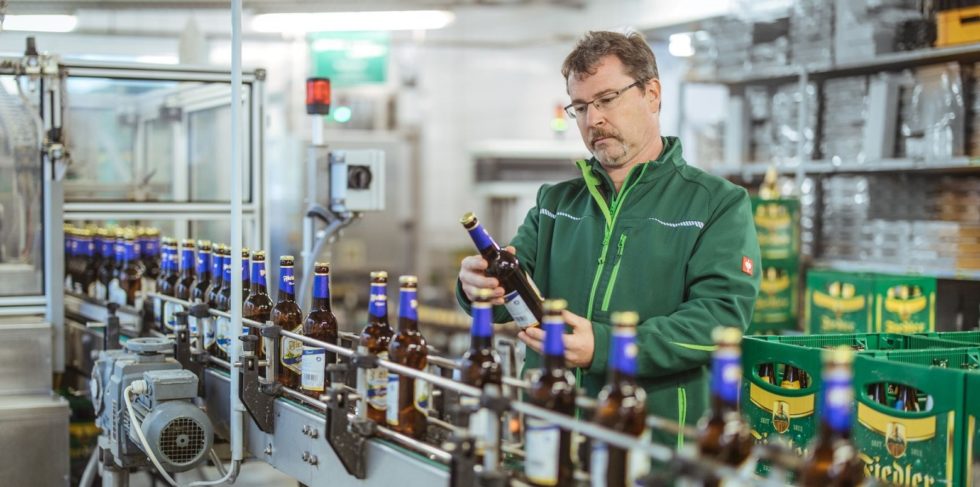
x,y
408,398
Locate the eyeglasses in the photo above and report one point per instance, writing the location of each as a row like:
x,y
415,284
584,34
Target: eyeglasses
x,y
602,103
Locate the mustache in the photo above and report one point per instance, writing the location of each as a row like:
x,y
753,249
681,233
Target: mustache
x,y
599,134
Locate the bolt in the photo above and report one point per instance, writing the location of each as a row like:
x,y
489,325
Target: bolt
x,y
268,449
313,460
314,433
306,429
306,456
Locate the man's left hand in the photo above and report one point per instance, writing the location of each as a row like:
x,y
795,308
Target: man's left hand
x,y
579,344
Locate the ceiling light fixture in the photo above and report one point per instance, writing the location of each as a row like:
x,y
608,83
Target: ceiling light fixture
x,y
680,45
40,23
352,21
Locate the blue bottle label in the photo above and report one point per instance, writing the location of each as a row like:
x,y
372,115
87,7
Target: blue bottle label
x,y
258,273
203,262
408,304
623,355
838,399
186,259
226,270
107,248
130,251
482,320
554,330
321,286
216,262
481,238
378,301
726,375
287,279
151,248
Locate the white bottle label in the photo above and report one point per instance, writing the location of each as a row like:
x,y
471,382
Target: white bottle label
x,y
100,291
209,331
638,463
68,283
599,460
478,420
291,353
169,314
313,366
192,325
391,414
150,285
519,310
422,396
157,309
542,440
377,385
223,334
116,293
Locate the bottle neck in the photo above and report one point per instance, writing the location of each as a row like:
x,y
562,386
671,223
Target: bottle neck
x,y
481,334
622,358
226,273
554,345
187,262
107,249
321,292
130,254
838,399
150,248
408,314
378,303
217,268
726,379
287,283
484,242
204,264
258,277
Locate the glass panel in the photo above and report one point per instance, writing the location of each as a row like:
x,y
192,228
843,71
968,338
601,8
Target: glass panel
x,y
21,218
150,140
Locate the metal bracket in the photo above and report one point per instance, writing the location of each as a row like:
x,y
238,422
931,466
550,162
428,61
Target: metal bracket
x,y
258,398
189,359
347,437
110,336
147,319
462,467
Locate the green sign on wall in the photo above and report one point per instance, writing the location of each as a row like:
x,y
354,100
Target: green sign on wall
x,y
350,58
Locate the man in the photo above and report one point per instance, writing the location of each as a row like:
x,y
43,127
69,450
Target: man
x,y
641,231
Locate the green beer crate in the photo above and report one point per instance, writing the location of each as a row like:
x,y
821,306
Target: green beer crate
x,y
775,413
776,306
905,304
964,337
777,224
838,302
933,446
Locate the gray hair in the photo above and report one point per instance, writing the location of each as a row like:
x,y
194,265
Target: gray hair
x,y
631,49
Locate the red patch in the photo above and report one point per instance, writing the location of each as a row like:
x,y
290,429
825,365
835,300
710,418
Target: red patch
x,y
748,266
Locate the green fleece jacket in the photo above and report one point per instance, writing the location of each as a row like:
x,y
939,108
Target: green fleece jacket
x,y
675,244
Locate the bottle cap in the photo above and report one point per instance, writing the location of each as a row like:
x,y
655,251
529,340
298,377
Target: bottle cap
x,y
408,280
625,318
468,219
484,294
555,305
726,335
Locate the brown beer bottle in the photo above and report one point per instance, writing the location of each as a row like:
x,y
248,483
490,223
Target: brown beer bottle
x,y
168,282
217,274
480,367
199,291
548,449
258,305
832,460
878,392
320,324
130,275
792,378
287,315
375,339
185,283
223,339
907,399
722,435
521,297
408,399
107,265
767,372
622,407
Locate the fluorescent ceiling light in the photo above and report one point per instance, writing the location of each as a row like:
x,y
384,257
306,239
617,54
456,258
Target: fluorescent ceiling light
x,y
40,23
680,45
352,21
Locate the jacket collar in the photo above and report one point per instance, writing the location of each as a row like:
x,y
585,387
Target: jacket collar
x,y
671,156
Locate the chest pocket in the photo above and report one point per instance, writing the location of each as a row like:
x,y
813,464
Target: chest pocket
x,y
649,266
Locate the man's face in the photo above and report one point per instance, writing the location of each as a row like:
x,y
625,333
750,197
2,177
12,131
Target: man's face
x,y
617,133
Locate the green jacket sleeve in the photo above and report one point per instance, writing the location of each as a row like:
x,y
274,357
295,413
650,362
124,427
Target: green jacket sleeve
x,y
721,285
526,243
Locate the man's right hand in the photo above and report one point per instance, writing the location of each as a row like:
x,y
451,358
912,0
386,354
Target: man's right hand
x,y
471,275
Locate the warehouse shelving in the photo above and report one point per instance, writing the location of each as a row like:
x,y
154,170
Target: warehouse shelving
x,y
886,268
883,62
755,169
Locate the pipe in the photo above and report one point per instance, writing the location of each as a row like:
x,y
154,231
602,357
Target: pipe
x,y
89,474
237,413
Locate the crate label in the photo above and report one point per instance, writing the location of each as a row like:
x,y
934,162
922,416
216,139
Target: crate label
x,y
906,451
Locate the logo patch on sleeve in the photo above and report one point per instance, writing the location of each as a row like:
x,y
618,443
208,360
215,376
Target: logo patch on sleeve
x,y
748,266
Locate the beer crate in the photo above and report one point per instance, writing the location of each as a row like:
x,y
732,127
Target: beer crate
x,y
777,224
838,302
968,338
905,304
776,305
775,413
933,446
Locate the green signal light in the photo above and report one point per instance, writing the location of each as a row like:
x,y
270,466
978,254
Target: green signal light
x,y
559,124
342,114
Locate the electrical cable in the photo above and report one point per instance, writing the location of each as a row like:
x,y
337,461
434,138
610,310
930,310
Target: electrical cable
x,y
140,387
89,474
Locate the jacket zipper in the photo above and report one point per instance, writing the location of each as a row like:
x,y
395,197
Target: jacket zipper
x,y
598,273
615,272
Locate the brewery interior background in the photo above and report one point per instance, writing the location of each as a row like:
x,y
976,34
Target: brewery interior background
x,y
867,112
